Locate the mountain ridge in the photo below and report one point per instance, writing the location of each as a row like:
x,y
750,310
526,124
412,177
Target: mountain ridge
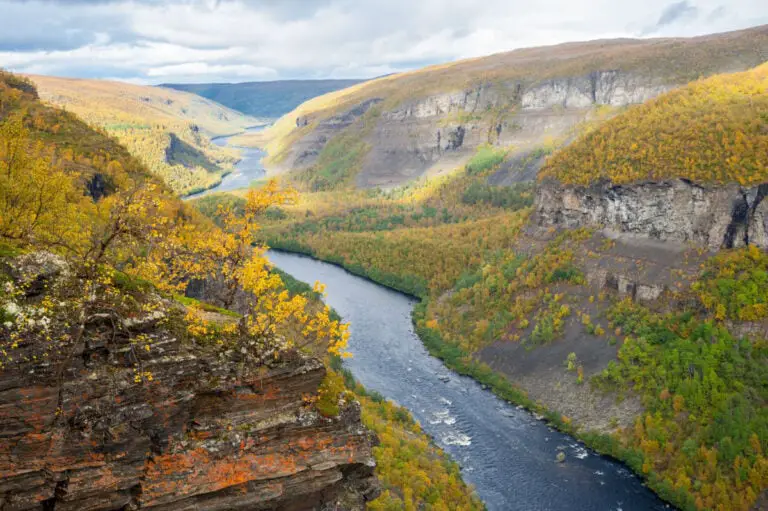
x,y
270,99
429,121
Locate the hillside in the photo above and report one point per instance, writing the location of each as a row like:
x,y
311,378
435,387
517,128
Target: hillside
x,y
689,166
118,390
713,131
168,130
263,99
627,305
393,129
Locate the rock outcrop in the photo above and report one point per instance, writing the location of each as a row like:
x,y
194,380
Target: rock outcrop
x,y
445,129
80,431
678,210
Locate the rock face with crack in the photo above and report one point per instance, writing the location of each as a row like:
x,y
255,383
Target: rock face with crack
x,y
678,210
77,432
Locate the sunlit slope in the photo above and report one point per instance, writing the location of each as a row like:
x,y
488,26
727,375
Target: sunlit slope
x,y
710,131
519,98
168,130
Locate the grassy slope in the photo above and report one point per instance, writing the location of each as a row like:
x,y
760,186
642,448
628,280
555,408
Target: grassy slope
x,y
710,131
671,61
145,119
264,99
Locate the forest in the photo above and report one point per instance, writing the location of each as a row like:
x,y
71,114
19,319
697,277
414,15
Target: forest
x,y
133,246
485,278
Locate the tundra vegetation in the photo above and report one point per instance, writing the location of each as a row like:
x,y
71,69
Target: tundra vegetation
x,y
696,363
128,247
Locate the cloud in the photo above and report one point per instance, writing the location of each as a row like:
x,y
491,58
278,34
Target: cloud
x,y
677,11
154,41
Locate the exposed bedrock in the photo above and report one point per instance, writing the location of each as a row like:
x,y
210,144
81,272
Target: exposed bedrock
x,y
77,433
712,216
442,130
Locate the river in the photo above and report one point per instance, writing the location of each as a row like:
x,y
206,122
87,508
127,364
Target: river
x,y
248,169
506,453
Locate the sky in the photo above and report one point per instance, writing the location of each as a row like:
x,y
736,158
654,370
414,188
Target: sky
x,y
198,41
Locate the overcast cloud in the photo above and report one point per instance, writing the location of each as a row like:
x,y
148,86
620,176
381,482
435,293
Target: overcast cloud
x,y
155,41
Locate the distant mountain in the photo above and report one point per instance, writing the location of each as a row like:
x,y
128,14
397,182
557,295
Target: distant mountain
x,y
264,99
390,130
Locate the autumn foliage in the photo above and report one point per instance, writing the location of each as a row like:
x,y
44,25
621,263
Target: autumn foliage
x,y
710,131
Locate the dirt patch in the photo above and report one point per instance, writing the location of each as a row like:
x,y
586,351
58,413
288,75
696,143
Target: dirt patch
x,y
542,371
615,267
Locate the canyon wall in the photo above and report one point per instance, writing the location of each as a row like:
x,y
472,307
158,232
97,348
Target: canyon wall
x,y
676,210
439,132
432,120
79,430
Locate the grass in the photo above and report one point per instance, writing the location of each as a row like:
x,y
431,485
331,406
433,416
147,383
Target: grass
x,y
192,302
8,250
486,158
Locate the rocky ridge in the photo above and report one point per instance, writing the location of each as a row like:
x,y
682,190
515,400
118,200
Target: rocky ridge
x,y
432,120
79,432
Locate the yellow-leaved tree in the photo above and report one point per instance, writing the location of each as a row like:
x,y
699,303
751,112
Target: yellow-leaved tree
x,y
239,276
137,230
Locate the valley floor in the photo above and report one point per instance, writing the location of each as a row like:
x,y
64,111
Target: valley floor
x,y
635,345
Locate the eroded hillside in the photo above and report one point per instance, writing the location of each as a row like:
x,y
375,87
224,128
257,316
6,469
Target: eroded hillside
x,y
393,129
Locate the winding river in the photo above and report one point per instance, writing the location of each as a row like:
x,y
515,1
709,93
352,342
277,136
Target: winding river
x,y
504,451
248,169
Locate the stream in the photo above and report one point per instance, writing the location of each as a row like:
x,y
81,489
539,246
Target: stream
x,y
248,169
507,454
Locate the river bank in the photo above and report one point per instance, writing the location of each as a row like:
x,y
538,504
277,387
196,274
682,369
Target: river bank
x,y
246,170
495,442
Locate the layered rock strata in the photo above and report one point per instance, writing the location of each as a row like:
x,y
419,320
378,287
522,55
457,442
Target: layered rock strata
x,y
79,431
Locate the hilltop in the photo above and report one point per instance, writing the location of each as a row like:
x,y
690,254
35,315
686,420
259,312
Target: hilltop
x,y
263,99
710,131
393,129
168,130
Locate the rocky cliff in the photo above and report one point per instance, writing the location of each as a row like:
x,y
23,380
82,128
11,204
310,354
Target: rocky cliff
x,y
432,120
441,131
713,216
81,431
